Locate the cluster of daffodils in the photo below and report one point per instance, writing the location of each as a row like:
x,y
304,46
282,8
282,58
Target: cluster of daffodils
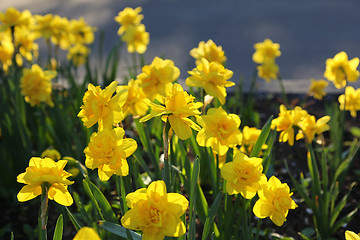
x,y
132,31
298,119
244,175
20,30
265,54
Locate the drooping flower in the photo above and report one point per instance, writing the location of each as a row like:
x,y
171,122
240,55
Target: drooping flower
x,y
350,235
286,121
210,51
309,127
274,201
350,101
268,71
100,107
155,212
86,233
220,130
179,105
128,17
317,87
107,151
136,38
136,103
250,137
14,18
35,85
339,70
45,171
51,153
243,175
213,77
156,79
266,51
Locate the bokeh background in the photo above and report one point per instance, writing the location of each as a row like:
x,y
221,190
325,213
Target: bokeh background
x,y
308,31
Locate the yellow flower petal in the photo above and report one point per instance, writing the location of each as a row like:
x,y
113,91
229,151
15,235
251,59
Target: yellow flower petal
x,y
28,192
60,194
86,233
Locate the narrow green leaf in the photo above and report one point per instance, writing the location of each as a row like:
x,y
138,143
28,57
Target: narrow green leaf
x,y
73,220
341,168
340,205
262,138
104,205
118,230
92,198
193,184
58,233
210,218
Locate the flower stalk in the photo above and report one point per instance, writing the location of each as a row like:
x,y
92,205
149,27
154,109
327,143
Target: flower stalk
x,y
44,211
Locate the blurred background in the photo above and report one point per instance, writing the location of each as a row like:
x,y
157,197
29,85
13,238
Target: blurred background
x,y
308,31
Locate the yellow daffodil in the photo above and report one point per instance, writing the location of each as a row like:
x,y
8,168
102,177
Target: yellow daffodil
x,y
86,233
266,51
25,41
82,32
78,54
250,137
61,34
14,18
107,151
43,26
220,130
274,201
243,175
286,121
179,105
45,170
339,69
100,107
35,85
212,76
350,235
309,127
156,79
128,17
136,38
155,212
268,71
136,103
350,101
317,87
51,153
6,47
210,51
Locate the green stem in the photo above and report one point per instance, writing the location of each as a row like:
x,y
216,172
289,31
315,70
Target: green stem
x,y
119,189
167,173
283,92
43,211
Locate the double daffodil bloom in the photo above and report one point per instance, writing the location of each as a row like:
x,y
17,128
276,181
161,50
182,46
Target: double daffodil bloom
x,y
136,38
243,175
128,17
350,101
45,171
155,212
107,151
274,201
210,51
220,130
317,87
156,79
339,70
35,85
99,106
213,77
266,51
179,105
309,127
268,71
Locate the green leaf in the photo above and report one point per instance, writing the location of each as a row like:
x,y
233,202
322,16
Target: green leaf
x,y
104,205
58,233
118,230
192,209
210,218
73,219
262,138
355,131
